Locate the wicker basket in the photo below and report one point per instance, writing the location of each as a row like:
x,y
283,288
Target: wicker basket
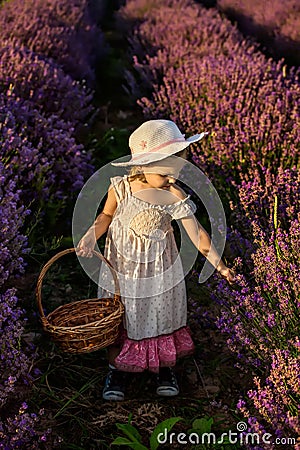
x,y
85,325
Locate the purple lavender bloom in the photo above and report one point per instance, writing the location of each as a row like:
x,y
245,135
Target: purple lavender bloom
x,y
40,80
45,47
275,25
41,151
61,30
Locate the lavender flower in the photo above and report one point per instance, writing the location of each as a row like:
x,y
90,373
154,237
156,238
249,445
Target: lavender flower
x,y
63,31
276,26
35,77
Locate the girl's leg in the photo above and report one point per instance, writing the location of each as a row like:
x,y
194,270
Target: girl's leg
x,y
114,387
112,353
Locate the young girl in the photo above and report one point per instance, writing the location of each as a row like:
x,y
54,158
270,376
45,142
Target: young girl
x,y
141,247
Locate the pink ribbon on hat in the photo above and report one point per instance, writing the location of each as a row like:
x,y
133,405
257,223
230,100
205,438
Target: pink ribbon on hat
x,y
159,147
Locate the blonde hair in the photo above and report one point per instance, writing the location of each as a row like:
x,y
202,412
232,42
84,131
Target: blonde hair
x,y
136,172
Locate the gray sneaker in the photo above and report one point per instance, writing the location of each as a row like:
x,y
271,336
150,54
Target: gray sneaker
x,y
167,383
114,387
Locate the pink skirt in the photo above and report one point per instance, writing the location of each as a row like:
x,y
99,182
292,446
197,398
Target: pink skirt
x,y
153,353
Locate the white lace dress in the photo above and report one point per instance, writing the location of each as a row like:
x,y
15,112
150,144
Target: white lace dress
x,y
141,247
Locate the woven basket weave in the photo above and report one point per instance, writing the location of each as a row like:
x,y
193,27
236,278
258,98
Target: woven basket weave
x,y
85,325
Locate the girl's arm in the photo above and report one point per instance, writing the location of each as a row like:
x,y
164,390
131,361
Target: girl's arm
x,y
202,242
201,239
99,227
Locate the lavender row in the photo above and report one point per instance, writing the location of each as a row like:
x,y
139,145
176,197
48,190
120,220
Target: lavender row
x,y
17,430
42,107
252,118
44,48
14,362
190,36
260,317
36,78
276,25
205,76
12,216
41,151
64,31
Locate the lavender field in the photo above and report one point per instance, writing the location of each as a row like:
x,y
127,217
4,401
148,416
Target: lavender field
x,y
47,72
192,65
275,25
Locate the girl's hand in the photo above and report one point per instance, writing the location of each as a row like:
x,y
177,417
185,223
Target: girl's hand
x,y
86,245
227,274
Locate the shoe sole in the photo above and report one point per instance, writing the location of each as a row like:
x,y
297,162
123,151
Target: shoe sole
x,y
113,396
167,391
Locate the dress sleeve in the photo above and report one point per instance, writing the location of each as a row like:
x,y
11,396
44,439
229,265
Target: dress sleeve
x,y
182,209
118,185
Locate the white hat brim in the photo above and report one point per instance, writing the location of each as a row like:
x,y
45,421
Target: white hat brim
x,y
141,159
196,137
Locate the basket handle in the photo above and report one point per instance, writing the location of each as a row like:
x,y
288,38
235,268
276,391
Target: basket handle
x,y
49,264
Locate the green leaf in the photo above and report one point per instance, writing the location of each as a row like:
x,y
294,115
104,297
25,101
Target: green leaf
x,y
124,441
203,425
162,428
226,441
130,431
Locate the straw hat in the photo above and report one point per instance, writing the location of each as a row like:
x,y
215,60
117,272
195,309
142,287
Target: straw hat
x,y
155,140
